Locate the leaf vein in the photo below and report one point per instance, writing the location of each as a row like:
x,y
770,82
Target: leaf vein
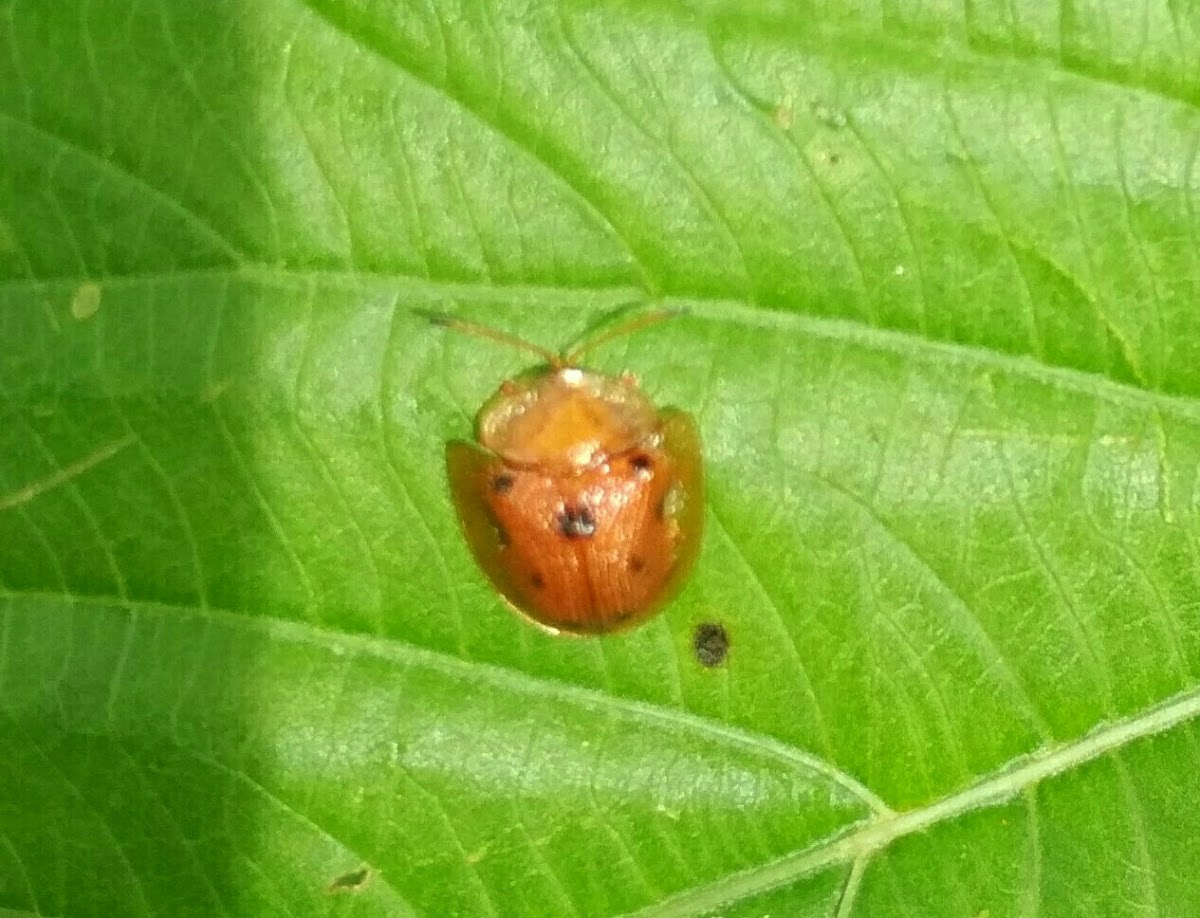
x,y
112,166
575,187
972,627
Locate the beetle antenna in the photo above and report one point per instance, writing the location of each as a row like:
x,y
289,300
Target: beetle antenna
x,y
637,323
442,320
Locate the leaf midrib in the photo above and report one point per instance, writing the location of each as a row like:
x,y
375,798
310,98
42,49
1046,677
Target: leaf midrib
x,y
902,343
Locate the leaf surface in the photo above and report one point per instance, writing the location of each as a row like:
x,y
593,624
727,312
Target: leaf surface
x,y
941,268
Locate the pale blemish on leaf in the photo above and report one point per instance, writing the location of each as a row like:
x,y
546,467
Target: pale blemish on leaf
x,y
784,114
215,390
85,302
829,116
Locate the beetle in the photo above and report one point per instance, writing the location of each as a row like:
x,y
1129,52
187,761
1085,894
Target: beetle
x,y
581,501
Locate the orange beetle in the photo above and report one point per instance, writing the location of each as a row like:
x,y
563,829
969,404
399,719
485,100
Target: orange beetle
x,y
582,501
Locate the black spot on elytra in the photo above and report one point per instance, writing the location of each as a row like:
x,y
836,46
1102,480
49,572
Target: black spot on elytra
x,y
641,462
710,643
537,580
576,522
502,483
636,564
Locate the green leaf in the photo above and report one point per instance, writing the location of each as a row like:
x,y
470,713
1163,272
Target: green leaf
x,y
942,269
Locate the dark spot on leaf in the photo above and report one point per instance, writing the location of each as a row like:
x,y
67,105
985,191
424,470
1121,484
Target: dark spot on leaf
x,y
502,483
577,522
711,644
351,881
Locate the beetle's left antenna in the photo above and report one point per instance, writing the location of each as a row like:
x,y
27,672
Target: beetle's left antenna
x,y
483,331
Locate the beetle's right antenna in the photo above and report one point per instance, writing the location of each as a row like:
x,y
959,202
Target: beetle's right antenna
x,y
637,323
483,331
